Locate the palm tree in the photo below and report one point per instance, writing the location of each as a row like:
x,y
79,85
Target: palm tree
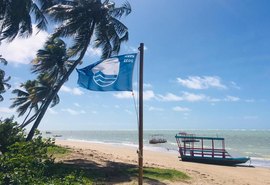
x,y
3,82
32,97
16,19
52,60
82,19
25,99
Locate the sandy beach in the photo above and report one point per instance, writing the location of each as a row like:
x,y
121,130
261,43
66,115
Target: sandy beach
x,y
201,174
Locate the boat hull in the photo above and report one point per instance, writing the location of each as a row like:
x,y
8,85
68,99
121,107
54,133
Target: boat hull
x,y
218,161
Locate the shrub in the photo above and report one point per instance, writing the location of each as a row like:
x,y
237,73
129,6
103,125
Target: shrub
x,y
10,133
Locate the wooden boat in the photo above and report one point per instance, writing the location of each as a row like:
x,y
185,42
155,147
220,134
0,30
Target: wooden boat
x,y
193,149
157,138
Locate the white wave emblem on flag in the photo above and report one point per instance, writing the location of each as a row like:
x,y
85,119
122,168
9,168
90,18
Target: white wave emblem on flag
x,y
106,72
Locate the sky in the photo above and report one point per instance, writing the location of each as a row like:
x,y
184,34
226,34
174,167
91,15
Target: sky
x,y
206,66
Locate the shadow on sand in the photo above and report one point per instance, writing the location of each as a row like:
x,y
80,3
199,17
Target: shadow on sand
x,y
108,173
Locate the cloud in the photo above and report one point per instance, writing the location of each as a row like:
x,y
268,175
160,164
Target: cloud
x,y
151,108
128,111
74,91
7,110
170,97
191,97
73,112
93,52
145,85
205,82
133,49
22,50
77,105
123,95
51,111
232,98
147,95
235,86
181,109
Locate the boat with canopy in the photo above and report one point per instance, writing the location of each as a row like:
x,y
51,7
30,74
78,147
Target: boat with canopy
x,y
209,150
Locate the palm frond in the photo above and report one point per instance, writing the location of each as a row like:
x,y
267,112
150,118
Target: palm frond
x,y
39,17
55,101
125,9
2,60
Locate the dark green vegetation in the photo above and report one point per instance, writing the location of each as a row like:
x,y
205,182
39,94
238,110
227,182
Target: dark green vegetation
x,y
33,162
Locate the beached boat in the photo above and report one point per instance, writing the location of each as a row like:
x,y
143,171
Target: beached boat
x,y
196,149
157,138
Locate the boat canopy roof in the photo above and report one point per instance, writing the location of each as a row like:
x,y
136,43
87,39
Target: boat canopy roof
x,y
198,137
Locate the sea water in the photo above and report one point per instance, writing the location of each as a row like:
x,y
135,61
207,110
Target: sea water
x,y
252,143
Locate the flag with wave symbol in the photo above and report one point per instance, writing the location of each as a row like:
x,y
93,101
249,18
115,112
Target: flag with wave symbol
x,y
112,74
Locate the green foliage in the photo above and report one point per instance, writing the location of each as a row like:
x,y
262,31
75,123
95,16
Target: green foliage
x,y
10,133
23,163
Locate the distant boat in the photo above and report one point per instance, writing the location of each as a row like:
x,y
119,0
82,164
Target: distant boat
x,y
157,138
57,135
193,149
47,132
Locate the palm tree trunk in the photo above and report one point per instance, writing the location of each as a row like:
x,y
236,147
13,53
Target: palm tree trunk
x,y
27,116
54,92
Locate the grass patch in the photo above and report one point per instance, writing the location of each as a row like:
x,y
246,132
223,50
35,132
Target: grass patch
x,y
58,151
161,174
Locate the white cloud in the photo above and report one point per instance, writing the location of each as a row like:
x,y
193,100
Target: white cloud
x,y
232,98
128,111
234,85
51,111
77,105
93,52
123,95
74,91
7,110
191,97
145,85
73,112
205,82
151,108
22,50
133,49
170,97
147,95
181,109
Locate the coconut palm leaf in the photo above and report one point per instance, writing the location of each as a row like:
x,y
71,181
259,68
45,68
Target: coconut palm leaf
x,y
16,20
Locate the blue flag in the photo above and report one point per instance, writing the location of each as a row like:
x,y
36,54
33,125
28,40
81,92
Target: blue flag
x,y
112,74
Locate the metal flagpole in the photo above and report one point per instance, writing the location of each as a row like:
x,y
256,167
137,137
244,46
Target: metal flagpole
x,y
140,152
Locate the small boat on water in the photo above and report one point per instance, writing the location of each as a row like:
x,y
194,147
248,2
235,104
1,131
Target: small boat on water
x,y
193,148
57,135
157,138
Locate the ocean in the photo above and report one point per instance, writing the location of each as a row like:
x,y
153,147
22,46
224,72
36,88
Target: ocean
x,y
252,143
